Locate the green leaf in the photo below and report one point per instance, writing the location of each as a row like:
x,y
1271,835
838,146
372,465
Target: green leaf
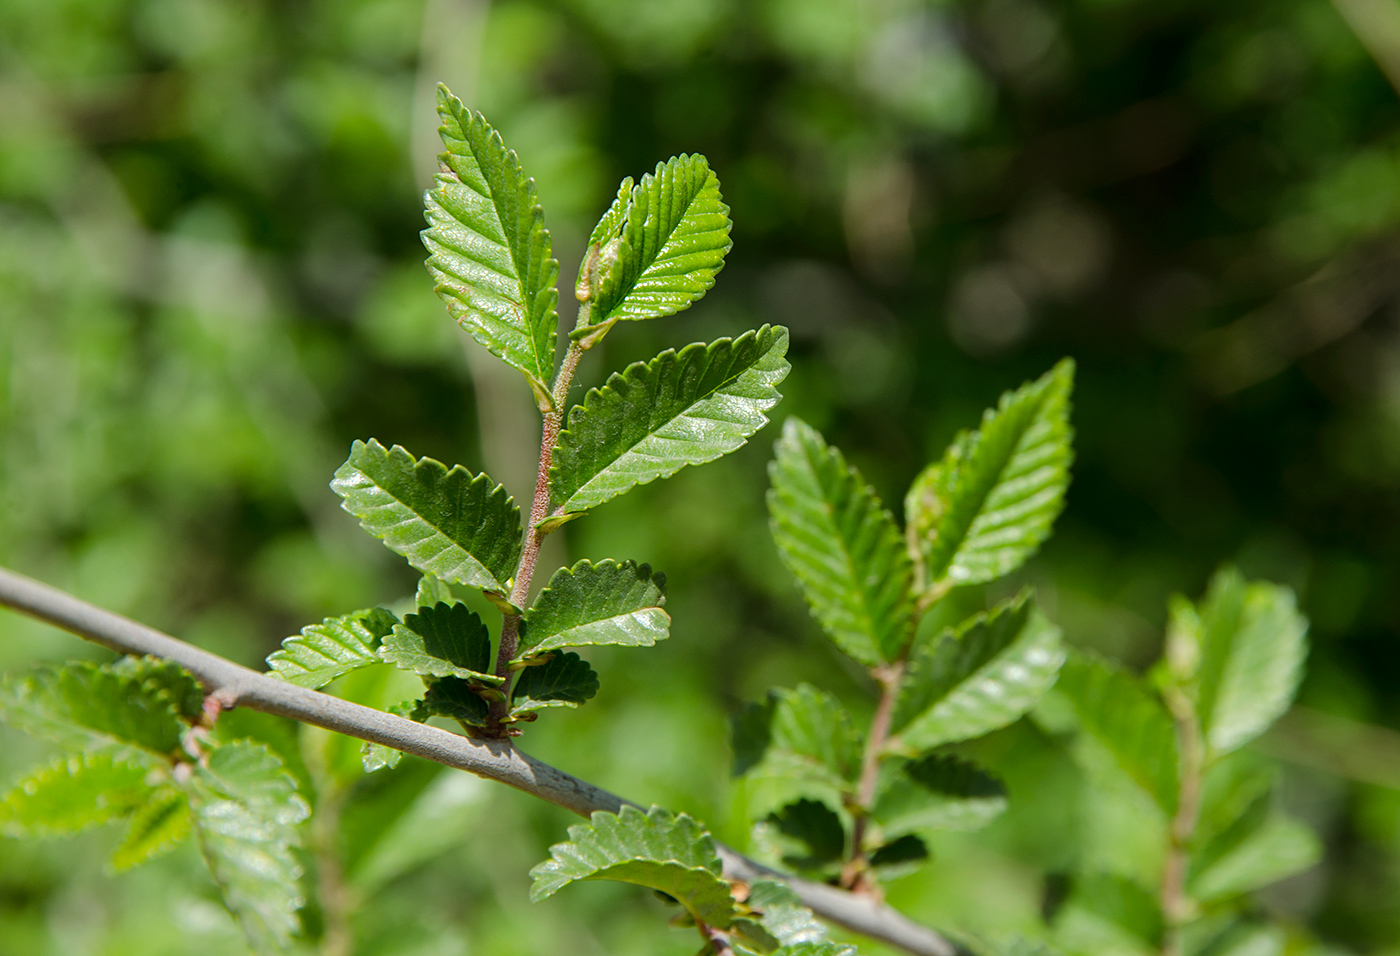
x,y
1115,709
603,603
805,726
654,418
379,757
672,854
1259,848
85,706
816,828
1253,644
902,854
164,678
565,680
937,792
159,826
660,244
77,792
332,649
451,524
841,545
433,590
489,252
454,698
446,640
245,811
1112,914
782,915
983,509
985,675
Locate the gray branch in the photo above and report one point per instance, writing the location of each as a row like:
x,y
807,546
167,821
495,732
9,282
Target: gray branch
x,y
234,685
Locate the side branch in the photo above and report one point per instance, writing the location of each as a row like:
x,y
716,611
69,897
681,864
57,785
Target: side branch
x,y
235,685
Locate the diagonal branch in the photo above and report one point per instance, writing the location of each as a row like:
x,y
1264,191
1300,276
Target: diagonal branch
x,y
234,685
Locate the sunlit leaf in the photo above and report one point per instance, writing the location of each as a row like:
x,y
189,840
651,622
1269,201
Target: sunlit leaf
x,y
85,706
164,678
565,680
332,649
841,545
446,640
782,914
489,252
807,726
654,418
157,827
449,523
603,603
77,792
937,792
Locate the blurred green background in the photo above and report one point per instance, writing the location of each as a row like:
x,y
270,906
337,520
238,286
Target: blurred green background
x,y
211,283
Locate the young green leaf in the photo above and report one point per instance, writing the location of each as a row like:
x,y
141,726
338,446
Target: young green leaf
x,y
77,792
332,649
978,679
659,245
672,854
806,727
983,509
451,524
446,640
1259,848
433,590
565,680
654,418
454,698
159,826
1115,709
245,811
1253,643
782,914
164,678
937,792
816,828
86,706
603,603
379,757
489,252
841,545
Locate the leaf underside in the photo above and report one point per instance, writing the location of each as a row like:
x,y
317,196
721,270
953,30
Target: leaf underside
x,y
603,603
489,252
445,640
654,418
841,545
332,649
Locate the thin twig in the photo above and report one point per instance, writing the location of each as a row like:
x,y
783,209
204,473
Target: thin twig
x,y
1177,905
853,874
234,685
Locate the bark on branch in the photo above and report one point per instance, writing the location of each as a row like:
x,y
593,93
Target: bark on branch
x,y
234,685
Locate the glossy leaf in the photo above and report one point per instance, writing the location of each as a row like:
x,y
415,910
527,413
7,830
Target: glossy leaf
x,y
1252,645
654,418
782,914
603,603
1114,708
977,679
85,706
446,640
76,792
156,828
565,680
987,505
329,650
937,792
672,854
449,523
659,245
489,252
841,545
245,811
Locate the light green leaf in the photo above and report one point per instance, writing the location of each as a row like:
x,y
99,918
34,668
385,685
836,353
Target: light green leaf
x,y
1115,708
1108,913
489,252
451,524
1253,644
446,640
379,757
433,590
977,679
454,698
603,603
245,811
77,792
159,826
807,725
841,545
565,680
654,418
937,792
815,949
164,678
85,706
982,510
782,914
1259,848
672,854
659,245
332,649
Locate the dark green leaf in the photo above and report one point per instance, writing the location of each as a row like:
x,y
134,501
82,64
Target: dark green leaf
x,y
451,524
454,698
489,252
672,854
983,509
603,603
565,680
446,640
900,852
937,792
841,545
245,811
985,675
651,420
157,827
77,792
84,705
816,828
332,649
